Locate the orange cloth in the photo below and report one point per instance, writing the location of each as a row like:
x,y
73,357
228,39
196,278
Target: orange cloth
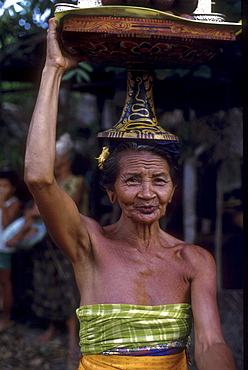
x,y
103,362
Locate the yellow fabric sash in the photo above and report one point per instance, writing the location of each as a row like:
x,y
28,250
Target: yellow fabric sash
x,y
102,362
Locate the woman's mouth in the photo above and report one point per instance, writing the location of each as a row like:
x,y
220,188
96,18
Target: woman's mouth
x,y
147,209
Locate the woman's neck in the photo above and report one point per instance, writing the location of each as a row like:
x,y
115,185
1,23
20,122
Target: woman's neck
x,y
142,236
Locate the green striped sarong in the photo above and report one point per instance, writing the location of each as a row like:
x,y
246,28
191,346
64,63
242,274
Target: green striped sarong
x,y
107,326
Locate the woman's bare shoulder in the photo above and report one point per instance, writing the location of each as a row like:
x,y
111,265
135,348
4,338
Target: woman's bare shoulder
x,y
195,251
198,258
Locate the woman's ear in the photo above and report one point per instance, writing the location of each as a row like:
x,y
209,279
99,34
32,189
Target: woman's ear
x,y
112,196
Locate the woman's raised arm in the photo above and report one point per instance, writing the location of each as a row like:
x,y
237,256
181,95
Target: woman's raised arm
x,y
58,210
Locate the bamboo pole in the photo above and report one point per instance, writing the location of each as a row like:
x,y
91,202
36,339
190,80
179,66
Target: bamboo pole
x,y
218,237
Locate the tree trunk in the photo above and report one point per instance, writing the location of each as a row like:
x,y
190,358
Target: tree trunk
x,y
218,228
189,191
189,194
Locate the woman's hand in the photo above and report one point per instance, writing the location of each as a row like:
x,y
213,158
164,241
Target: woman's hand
x,y
11,242
56,56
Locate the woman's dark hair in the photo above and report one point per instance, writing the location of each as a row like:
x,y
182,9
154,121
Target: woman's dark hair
x,y
10,175
110,168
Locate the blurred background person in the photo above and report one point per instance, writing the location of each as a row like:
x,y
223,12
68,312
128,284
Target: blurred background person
x,y
56,295
10,208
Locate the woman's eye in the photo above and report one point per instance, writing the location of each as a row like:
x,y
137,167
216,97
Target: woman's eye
x,y
159,181
132,180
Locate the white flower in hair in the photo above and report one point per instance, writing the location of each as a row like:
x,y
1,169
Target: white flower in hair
x,y
64,144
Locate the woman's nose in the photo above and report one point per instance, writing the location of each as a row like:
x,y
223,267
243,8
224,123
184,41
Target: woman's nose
x,y
146,191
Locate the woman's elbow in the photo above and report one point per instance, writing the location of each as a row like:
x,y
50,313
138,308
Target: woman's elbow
x,y
37,181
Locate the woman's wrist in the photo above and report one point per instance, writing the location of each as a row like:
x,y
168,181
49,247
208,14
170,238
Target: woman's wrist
x,y
52,70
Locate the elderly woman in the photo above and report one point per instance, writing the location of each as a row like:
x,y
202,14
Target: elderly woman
x,y
139,286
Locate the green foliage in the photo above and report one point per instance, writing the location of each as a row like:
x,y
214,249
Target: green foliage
x,y
14,161
80,73
15,86
20,20
17,93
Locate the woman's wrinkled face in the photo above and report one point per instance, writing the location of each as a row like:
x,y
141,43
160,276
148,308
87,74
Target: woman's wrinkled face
x,y
62,164
143,187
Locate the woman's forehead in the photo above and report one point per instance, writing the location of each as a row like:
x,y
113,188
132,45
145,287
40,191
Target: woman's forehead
x,y
131,159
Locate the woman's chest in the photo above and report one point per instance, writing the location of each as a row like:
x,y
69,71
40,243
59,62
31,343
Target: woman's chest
x,y
147,279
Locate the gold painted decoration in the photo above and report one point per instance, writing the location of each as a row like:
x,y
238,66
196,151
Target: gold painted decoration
x,y
140,39
164,43
138,119
139,26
